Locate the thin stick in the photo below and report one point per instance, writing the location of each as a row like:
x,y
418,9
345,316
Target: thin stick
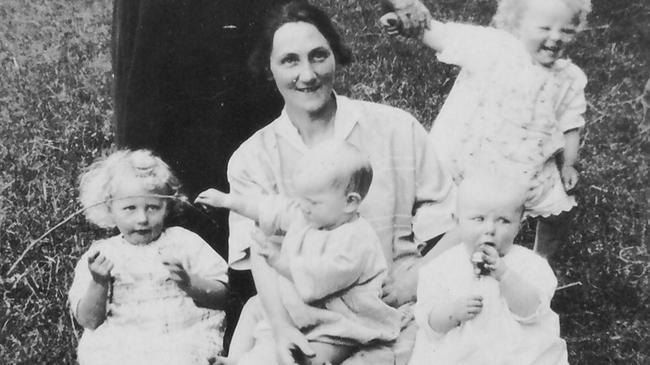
x,y
68,218
568,286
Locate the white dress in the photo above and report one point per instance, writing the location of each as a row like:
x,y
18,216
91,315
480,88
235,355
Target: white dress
x,y
496,336
150,320
506,113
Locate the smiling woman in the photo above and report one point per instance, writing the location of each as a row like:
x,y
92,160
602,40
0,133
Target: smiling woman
x,y
303,67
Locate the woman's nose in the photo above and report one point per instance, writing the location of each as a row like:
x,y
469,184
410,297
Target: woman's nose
x,y
307,74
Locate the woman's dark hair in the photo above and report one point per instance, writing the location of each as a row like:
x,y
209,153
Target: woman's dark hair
x,y
295,11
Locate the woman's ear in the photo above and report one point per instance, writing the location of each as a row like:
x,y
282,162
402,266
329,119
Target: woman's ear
x,y
352,202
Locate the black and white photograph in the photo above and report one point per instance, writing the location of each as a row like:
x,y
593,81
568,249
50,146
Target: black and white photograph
x,y
322,182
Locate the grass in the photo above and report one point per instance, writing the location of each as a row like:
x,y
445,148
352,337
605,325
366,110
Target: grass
x,y
55,113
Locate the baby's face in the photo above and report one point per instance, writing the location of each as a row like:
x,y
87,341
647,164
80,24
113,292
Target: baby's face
x,y
138,217
546,27
489,219
323,206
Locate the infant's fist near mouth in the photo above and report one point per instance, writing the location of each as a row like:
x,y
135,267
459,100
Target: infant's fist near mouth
x,y
480,267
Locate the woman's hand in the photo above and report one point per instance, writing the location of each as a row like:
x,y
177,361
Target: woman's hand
x,y
569,176
213,198
100,268
401,286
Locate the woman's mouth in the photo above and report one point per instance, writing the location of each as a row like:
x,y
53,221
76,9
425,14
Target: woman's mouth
x,y
309,89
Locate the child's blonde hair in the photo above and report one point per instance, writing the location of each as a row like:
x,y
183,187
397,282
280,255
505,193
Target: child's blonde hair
x,y
98,183
509,13
338,164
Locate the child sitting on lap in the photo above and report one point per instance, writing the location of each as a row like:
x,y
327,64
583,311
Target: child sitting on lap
x,y
330,266
142,295
486,300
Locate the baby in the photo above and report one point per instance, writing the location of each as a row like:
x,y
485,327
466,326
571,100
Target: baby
x,y
145,295
330,266
486,300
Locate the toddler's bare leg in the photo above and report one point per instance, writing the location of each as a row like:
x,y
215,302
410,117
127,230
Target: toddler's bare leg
x,y
552,231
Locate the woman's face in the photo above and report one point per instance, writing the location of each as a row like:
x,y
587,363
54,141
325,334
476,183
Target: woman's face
x,y
303,66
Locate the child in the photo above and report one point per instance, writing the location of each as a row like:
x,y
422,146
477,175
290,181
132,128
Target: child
x,y
142,295
517,105
330,264
502,316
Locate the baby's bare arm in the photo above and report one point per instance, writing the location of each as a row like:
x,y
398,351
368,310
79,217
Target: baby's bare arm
x,y
240,204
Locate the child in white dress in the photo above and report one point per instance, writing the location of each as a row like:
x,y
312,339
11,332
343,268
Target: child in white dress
x,y
517,104
330,265
487,301
151,294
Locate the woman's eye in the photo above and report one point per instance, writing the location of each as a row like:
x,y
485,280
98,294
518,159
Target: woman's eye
x,y
478,219
504,220
546,29
289,60
320,55
569,31
153,207
129,207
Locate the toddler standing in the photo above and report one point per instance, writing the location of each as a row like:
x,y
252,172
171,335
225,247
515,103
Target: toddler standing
x,y
144,296
486,300
517,105
330,265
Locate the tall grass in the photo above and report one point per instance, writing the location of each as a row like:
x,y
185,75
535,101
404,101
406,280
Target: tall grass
x,y
55,113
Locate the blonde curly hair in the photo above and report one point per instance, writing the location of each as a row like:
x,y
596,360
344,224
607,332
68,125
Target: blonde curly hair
x,y
98,184
509,13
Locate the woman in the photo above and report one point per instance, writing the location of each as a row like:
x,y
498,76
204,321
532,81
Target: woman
x,y
408,200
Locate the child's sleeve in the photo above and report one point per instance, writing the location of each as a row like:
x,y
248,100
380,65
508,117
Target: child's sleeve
x,y
199,258
472,46
247,176
340,264
536,271
276,213
573,103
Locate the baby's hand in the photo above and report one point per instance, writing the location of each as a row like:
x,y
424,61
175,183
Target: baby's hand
x,y
177,273
569,176
213,198
493,263
100,267
467,308
266,246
